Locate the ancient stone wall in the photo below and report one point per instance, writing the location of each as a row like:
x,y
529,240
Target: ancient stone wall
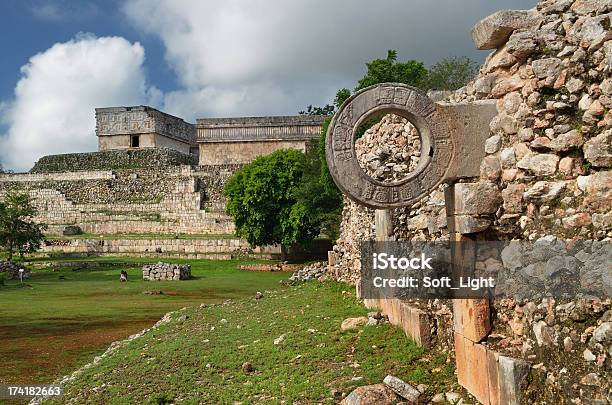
x,y
144,247
547,174
167,200
240,140
116,125
222,153
115,159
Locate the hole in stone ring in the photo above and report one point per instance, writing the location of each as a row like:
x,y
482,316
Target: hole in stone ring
x,y
389,147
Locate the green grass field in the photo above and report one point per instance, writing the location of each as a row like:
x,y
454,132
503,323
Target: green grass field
x,y
197,357
58,320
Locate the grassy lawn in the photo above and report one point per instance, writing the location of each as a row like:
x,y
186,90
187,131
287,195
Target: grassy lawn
x,y
58,320
197,356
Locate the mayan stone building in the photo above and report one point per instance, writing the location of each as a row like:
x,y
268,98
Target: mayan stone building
x,y
142,127
153,175
240,140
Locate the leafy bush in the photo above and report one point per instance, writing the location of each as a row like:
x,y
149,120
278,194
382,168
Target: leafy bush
x,y
262,201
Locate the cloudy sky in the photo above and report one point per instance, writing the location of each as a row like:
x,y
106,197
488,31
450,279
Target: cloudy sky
x,y
201,58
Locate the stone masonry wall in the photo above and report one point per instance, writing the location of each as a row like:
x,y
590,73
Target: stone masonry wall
x,y
174,199
115,159
547,174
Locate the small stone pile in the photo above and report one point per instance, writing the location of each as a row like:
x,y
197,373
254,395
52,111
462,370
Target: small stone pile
x,y
313,271
166,271
390,149
11,270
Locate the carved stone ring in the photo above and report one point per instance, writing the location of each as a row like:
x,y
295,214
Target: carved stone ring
x,y
390,98
452,139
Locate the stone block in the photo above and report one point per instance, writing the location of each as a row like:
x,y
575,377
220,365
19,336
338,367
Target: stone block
x,y
492,378
376,394
475,198
494,30
415,324
477,370
465,224
512,379
472,318
403,389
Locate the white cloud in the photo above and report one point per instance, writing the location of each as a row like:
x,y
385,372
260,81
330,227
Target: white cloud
x,y
62,10
277,56
53,109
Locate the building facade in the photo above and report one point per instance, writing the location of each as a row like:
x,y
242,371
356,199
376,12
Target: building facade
x,y
218,141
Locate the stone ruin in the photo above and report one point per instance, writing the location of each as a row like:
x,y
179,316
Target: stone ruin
x,y
166,271
542,171
154,174
11,270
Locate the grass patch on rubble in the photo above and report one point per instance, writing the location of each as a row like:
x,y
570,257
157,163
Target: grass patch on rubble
x,y
197,356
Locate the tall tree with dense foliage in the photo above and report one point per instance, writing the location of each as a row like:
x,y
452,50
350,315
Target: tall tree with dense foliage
x,y
18,233
410,72
262,200
450,73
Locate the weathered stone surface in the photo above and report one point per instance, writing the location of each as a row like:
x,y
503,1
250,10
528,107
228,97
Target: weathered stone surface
x,y
598,150
490,168
376,394
72,230
540,164
564,142
507,85
493,144
594,31
472,318
166,271
602,221
577,220
390,149
549,67
466,224
513,198
113,159
494,30
402,388
574,85
476,198
586,7
598,191
544,191
522,44
11,270
353,323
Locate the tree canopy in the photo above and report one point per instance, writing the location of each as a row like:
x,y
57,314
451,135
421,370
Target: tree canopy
x,y
262,200
18,232
410,72
450,73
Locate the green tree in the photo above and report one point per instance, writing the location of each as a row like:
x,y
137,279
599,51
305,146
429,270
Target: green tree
x,y
17,230
328,109
318,192
262,200
411,72
341,96
450,73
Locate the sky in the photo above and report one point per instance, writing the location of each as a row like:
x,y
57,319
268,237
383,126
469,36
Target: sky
x,y
201,58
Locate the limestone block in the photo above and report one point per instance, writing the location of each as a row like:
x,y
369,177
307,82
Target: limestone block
x,y
494,30
472,318
476,198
